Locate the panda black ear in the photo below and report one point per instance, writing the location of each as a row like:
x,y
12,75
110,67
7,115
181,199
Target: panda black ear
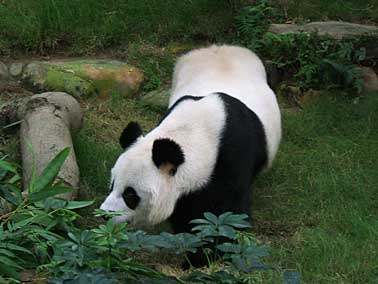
x,y
130,134
167,155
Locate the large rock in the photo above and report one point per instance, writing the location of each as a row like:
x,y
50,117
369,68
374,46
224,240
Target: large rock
x,y
337,30
83,77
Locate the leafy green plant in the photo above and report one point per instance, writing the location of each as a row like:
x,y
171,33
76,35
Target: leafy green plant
x,y
39,232
311,61
252,22
314,61
27,230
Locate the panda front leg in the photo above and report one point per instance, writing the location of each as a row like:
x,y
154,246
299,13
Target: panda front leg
x,y
193,206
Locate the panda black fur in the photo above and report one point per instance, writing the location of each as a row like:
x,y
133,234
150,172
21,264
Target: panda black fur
x,y
223,126
241,156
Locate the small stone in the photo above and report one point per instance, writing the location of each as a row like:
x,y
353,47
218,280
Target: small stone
x,y
370,79
15,70
4,75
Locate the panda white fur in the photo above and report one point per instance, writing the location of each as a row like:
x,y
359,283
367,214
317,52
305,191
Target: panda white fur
x,y
222,128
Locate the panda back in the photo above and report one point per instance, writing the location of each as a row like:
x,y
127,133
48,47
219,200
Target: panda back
x,y
237,72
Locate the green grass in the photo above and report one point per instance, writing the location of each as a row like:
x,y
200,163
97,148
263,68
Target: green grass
x,y
317,207
87,25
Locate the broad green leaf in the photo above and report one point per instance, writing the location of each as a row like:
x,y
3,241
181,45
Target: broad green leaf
x,y
223,217
78,204
7,253
229,248
8,270
227,231
237,221
8,166
211,217
73,237
8,262
7,195
54,203
3,173
14,179
200,221
16,190
24,222
50,172
43,194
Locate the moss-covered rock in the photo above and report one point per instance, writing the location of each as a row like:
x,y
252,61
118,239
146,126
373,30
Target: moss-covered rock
x,y
83,77
4,75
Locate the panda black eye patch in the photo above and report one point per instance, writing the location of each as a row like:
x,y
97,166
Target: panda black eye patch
x,y
131,198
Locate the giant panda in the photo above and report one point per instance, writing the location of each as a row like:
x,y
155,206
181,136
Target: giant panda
x,y
222,128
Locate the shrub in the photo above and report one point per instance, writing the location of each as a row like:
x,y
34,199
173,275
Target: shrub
x,y
311,61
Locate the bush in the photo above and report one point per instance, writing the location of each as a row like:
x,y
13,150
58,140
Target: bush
x,y
309,60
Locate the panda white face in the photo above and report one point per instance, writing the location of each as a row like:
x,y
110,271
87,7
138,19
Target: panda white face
x,y
142,179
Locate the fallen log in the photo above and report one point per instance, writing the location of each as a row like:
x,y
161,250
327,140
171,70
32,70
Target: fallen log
x,y
47,121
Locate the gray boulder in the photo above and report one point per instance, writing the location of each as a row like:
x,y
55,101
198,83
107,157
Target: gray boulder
x,y
15,69
337,30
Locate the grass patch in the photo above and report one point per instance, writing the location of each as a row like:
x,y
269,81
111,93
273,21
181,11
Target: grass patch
x,y
318,205
84,26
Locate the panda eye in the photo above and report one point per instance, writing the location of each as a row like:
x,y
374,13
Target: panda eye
x,y
131,198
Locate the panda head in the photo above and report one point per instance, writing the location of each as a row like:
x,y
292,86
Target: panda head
x,y
144,185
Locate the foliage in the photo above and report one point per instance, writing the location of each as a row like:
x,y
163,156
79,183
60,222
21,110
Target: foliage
x,y
27,230
313,61
39,232
252,22
111,247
